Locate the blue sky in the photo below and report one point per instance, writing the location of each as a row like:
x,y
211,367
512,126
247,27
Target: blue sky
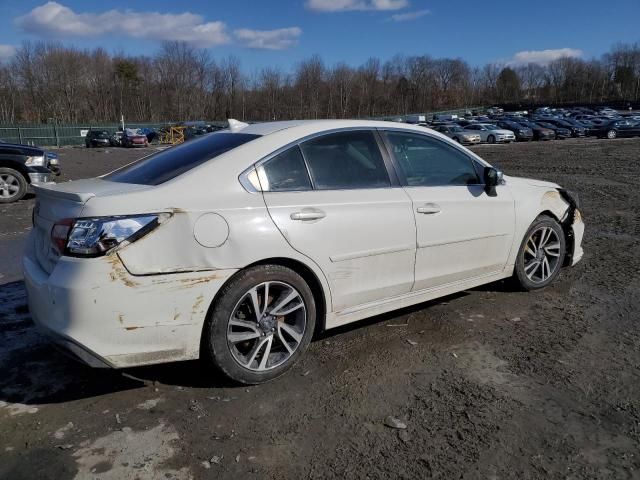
x,y
281,32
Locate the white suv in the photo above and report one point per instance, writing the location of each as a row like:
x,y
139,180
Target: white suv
x,y
238,246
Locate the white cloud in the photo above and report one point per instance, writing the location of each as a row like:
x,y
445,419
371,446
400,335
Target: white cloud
x,y
56,20
279,39
6,52
350,5
406,17
543,57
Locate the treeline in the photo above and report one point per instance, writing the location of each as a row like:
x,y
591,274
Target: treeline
x,y
45,81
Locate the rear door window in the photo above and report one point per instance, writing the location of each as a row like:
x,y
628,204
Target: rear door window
x,y
346,160
174,161
286,172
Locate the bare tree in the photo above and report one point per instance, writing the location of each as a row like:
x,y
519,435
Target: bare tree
x,y
47,80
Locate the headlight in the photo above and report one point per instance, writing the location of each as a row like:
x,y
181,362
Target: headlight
x,y
35,161
93,237
52,158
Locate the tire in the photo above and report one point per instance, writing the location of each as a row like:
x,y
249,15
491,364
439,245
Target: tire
x,y
241,359
456,139
13,186
529,275
491,139
611,134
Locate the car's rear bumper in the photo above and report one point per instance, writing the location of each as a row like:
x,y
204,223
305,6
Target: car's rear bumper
x,y
106,317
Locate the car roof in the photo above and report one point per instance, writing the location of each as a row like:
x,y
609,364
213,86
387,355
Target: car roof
x,y
267,128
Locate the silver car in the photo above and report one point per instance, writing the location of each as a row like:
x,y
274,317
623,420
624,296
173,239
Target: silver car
x,y
490,133
459,134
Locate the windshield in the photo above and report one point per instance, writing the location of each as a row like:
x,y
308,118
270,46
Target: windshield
x,y
492,127
174,161
456,129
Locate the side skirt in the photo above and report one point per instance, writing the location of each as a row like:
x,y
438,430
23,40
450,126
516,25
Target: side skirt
x,y
348,315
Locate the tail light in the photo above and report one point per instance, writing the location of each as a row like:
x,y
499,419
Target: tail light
x,y
60,233
93,237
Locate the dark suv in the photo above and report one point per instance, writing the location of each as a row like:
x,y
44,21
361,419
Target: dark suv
x,y
97,138
22,166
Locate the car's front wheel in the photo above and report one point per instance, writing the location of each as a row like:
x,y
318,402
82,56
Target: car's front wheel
x,y
13,185
541,254
611,134
491,139
261,323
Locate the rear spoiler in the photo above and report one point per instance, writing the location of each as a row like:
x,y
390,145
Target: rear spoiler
x,y
51,191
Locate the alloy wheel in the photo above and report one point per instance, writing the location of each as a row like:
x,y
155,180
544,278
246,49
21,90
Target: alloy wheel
x,y
611,134
9,185
267,326
541,254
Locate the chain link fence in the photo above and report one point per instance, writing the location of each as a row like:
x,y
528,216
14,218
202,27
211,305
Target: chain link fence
x,y
63,135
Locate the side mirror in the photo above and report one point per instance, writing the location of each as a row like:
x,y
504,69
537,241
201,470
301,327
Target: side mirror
x,y
492,178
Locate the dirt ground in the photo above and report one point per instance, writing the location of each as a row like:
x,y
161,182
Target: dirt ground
x,y
491,383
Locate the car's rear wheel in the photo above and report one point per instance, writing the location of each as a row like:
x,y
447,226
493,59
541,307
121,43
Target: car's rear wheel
x,y
541,254
611,134
13,186
260,325
491,139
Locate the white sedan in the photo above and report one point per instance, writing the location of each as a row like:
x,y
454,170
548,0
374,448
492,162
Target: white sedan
x,y
490,133
239,246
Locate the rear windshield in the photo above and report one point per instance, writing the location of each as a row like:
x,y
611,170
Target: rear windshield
x,y
168,164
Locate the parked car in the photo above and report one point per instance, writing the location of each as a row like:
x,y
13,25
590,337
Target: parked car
x,y
97,138
444,117
195,131
491,133
539,132
607,112
523,134
459,134
134,138
24,166
577,130
561,132
238,246
617,128
116,139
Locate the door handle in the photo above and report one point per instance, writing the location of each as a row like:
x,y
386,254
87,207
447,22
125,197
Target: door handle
x,y
308,214
429,209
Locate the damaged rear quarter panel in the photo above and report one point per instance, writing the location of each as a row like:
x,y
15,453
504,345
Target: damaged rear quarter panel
x,y
126,319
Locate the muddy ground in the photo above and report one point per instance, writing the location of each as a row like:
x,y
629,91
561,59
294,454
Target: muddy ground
x,y
491,383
